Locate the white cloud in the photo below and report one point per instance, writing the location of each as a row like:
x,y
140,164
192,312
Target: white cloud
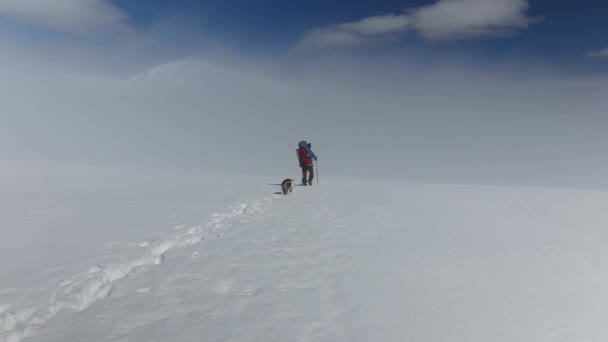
x,y
443,20
73,16
458,19
378,25
598,54
356,33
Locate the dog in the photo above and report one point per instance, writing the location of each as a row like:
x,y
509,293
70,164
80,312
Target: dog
x,y
287,186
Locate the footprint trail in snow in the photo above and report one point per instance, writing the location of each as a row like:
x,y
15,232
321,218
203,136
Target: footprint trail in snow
x,y
79,292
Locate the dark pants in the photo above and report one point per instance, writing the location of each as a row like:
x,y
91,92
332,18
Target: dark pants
x,y
308,171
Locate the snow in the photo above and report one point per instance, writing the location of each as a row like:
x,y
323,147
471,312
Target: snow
x,y
347,261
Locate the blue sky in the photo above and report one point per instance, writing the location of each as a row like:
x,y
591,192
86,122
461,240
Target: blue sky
x,y
554,32
567,31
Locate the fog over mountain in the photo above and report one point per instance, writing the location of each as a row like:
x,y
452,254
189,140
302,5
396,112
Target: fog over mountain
x,y
206,117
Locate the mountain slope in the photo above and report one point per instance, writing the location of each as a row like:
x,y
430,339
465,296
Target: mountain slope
x,y
350,261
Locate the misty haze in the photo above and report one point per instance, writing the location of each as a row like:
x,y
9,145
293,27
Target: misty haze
x,y
455,186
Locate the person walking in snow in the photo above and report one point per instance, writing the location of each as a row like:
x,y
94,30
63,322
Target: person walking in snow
x,y
313,156
310,152
306,157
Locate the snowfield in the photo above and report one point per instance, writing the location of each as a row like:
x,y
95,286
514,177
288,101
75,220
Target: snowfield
x,y
347,261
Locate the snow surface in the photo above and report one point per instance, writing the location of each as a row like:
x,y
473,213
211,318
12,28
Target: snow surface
x,y
347,261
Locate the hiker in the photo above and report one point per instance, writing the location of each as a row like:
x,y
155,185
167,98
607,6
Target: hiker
x,y
306,157
310,152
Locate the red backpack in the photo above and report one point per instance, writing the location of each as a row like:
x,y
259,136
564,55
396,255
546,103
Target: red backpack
x,y
303,157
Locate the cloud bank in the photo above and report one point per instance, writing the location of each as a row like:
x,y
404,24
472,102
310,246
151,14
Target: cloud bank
x,y
210,120
70,16
443,20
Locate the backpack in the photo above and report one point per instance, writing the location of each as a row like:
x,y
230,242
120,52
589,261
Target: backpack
x,y
303,157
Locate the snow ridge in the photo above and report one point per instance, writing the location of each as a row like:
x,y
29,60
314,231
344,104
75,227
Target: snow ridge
x,y
80,291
